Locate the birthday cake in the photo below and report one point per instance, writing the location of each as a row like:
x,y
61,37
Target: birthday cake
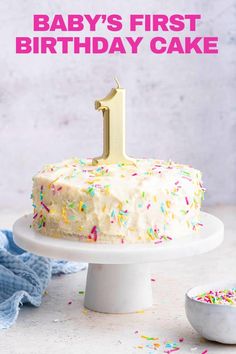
x,y
148,201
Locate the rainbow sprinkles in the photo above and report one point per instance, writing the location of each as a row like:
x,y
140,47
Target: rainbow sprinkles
x,y
151,201
218,297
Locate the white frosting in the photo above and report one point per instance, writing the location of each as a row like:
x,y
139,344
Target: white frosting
x,y
151,201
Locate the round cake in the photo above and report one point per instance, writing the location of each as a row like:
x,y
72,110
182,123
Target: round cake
x,y
149,201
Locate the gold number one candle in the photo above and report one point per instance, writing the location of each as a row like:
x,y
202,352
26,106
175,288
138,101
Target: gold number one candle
x,y
113,109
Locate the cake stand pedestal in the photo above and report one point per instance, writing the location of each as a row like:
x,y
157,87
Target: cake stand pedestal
x,y
118,279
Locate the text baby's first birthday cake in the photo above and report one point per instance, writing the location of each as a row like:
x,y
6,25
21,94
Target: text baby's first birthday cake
x,y
116,199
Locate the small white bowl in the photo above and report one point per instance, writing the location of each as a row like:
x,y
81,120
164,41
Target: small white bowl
x,y
211,321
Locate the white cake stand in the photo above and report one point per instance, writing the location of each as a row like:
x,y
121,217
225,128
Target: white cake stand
x,y
118,279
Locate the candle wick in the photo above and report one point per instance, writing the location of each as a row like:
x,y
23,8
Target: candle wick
x,y
117,82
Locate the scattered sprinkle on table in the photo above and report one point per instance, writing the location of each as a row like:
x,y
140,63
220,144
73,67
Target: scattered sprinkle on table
x,y
218,297
170,347
149,338
85,312
153,345
81,292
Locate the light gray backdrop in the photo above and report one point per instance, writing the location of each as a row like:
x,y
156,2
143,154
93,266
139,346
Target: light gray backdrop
x,y
178,106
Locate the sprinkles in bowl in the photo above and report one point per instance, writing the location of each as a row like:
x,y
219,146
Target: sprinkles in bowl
x,y
218,297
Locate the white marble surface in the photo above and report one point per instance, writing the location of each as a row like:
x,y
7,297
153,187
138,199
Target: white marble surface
x,y
57,327
178,106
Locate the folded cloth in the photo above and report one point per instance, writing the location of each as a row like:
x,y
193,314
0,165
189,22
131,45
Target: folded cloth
x,y
24,277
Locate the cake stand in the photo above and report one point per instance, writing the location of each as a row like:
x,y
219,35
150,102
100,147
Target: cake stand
x,y
118,279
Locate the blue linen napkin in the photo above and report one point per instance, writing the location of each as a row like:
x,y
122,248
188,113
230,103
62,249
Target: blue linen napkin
x,y
24,277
